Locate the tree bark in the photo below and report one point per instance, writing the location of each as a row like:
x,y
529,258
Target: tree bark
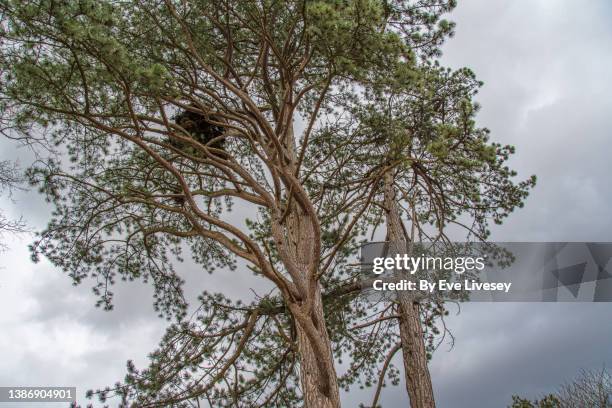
x,y
317,372
418,379
416,371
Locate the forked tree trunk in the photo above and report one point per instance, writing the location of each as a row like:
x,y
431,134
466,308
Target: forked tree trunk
x,y
317,373
418,379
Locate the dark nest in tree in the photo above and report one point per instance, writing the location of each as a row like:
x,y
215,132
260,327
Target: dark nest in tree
x,y
202,128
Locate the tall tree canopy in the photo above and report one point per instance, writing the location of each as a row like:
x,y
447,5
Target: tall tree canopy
x,y
165,113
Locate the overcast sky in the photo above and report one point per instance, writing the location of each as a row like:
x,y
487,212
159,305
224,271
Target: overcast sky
x,y
546,67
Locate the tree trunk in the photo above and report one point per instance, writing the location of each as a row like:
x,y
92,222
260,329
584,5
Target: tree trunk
x,y
317,372
418,379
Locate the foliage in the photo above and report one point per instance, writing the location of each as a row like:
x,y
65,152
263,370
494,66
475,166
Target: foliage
x,y
10,179
591,388
549,401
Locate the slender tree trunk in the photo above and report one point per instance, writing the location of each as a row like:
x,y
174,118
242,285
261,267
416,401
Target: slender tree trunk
x,y
418,379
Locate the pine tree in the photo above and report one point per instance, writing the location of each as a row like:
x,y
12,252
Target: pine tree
x,y
168,112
